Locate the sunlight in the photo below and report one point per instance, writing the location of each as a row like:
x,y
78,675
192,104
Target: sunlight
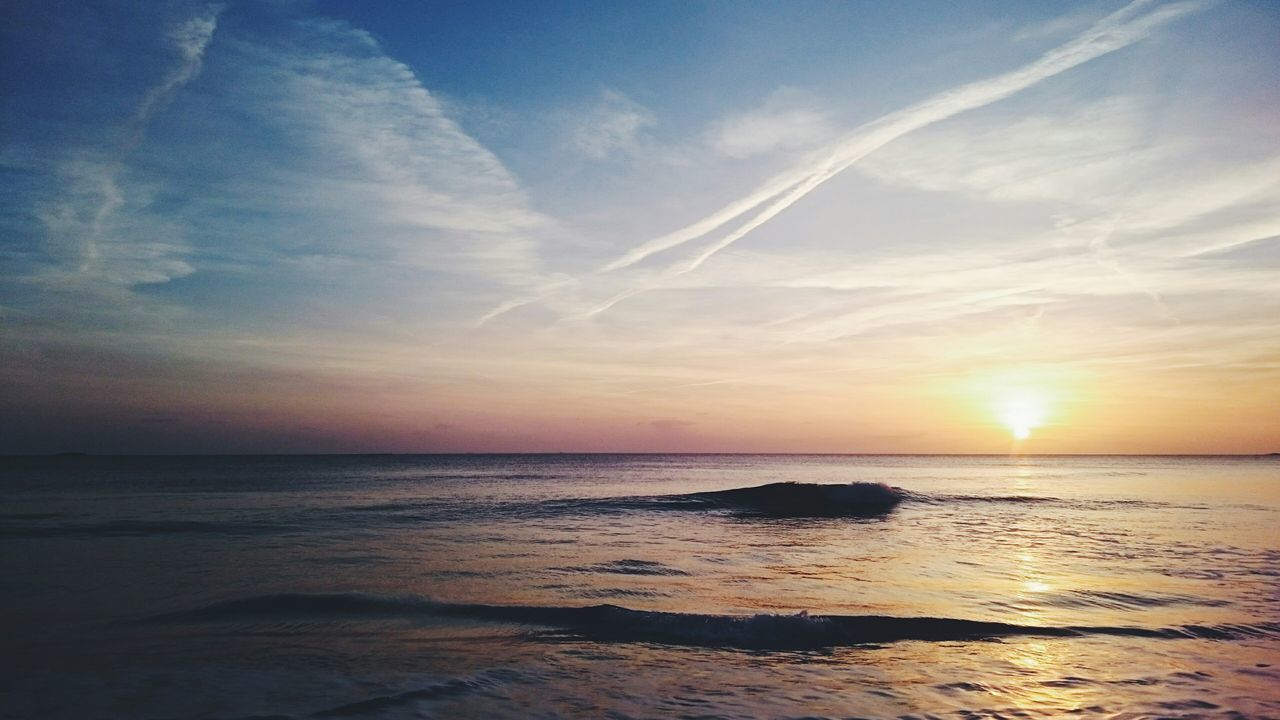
x,y
1021,400
1021,410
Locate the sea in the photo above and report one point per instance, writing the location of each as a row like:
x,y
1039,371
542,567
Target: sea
x,y
639,586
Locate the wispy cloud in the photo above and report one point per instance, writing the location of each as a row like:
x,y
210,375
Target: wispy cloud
x,y
373,164
300,169
189,39
1135,199
79,223
789,119
614,125
1120,29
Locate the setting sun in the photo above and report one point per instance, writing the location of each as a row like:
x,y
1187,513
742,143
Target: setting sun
x,y
1022,400
1022,411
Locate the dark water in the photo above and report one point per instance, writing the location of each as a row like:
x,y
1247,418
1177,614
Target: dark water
x,y
640,586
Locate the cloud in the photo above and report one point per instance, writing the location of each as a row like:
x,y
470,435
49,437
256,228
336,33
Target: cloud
x,y
313,196
372,153
81,226
1080,154
1100,161
189,39
311,143
614,126
1120,29
1132,197
787,120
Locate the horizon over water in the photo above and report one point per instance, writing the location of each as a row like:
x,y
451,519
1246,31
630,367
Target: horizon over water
x,y
621,453
637,585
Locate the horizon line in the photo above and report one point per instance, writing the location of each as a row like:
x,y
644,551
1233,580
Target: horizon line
x,y
74,454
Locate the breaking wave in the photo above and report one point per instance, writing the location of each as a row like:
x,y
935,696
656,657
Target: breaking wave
x,y
780,499
799,500
792,499
613,623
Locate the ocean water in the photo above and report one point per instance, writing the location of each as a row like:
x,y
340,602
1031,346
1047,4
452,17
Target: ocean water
x,y
602,586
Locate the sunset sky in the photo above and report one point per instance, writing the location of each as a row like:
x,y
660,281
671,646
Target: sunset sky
x,y
659,226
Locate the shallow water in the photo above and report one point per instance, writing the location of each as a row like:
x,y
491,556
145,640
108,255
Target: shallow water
x,y
636,586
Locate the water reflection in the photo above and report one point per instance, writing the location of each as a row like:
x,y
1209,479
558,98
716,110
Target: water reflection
x,y
1049,678
1118,544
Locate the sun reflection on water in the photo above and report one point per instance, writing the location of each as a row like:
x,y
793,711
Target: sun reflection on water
x,y
1046,672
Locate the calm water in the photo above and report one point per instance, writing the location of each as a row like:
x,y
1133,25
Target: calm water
x,y
639,586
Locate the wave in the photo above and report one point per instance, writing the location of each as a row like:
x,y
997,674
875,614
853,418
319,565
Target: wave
x,y
613,623
793,499
780,499
798,500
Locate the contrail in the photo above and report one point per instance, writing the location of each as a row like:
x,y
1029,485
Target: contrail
x,y
1112,33
711,222
1115,31
539,294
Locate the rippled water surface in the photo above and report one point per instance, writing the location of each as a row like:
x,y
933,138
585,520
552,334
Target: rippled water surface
x,y
640,586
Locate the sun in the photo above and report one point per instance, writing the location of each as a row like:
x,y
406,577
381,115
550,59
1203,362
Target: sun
x,y
1021,410
1021,400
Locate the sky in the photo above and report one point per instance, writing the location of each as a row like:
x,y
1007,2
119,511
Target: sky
x,y
848,227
